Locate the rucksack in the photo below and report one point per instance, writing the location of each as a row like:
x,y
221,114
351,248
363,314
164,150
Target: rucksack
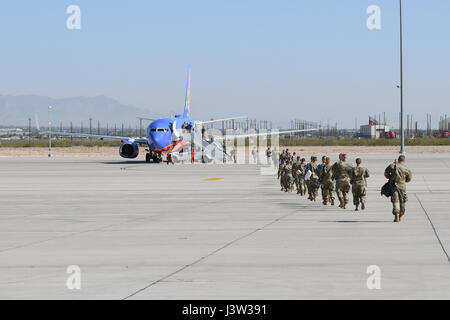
x,y
388,188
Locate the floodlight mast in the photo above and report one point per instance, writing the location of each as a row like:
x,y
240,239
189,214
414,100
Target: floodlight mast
x,y
402,129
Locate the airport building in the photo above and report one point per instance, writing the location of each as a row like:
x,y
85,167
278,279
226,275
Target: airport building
x,y
11,133
373,131
444,124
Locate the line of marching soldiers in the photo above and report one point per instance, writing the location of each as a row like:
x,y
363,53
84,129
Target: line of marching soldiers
x,y
339,178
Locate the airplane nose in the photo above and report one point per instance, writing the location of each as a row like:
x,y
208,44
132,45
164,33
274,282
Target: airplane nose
x,y
158,141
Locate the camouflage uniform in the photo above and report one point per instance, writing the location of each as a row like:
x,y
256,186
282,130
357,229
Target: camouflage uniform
x,y
282,157
341,173
288,182
281,175
269,155
399,198
327,183
295,175
358,181
313,183
301,179
319,174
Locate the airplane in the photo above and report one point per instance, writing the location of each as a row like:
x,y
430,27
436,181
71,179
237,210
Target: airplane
x,y
165,135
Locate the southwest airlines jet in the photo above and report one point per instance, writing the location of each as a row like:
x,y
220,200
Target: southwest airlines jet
x,y
165,135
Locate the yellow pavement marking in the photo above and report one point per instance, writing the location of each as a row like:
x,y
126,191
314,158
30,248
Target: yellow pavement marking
x,y
212,179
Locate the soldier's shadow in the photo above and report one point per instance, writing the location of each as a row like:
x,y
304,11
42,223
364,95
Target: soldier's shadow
x,y
356,221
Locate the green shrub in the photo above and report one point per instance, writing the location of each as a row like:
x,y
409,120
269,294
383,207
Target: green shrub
x,y
57,143
365,142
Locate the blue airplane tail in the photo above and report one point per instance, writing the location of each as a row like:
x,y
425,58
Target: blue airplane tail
x,y
187,104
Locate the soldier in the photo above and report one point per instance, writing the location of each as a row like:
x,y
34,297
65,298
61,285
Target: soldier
x,y
319,173
282,156
402,176
268,155
288,156
233,154
254,154
358,181
296,173
312,183
281,174
341,173
288,177
327,183
301,176
322,164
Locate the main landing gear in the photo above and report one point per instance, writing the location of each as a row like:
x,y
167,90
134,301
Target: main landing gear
x,y
154,157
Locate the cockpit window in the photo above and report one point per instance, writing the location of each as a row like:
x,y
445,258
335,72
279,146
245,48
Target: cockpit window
x,y
159,130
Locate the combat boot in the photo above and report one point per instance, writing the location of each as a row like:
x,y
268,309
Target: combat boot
x,y
363,206
397,218
332,202
357,208
400,217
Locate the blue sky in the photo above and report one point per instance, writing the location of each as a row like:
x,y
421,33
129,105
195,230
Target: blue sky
x,y
313,60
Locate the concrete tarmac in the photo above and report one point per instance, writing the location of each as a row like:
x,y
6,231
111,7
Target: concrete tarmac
x,y
153,231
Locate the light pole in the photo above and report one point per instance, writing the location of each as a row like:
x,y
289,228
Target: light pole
x,y
29,131
49,133
402,129
90,127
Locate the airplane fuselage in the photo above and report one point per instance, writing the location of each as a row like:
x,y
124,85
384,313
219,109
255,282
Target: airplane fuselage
x,y
162,134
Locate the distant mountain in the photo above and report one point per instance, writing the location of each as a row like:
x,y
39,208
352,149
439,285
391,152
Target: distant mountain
x,y
15,110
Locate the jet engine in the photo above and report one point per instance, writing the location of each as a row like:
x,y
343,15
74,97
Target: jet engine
x,y
129,149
